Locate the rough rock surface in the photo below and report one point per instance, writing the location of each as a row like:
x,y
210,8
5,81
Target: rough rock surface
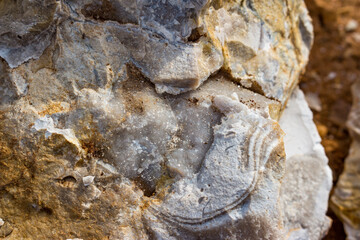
x,y
346,198
177,45
308,178
26,29
131,120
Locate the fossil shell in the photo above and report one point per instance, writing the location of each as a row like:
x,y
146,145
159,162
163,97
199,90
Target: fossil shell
x,y
242,145
87,140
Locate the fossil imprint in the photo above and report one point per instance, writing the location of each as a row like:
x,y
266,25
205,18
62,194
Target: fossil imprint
x,y
243,144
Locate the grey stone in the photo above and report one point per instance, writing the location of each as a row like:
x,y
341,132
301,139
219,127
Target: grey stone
x,y
179,51
308,179
26,29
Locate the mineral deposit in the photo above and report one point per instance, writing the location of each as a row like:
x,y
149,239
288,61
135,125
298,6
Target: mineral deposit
x,y
157,120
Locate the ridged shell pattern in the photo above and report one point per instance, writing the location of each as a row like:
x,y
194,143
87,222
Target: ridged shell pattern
x,y
242,146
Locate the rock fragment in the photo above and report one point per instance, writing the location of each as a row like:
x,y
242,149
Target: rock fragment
x,y
308,177
345,200
351,25
87,180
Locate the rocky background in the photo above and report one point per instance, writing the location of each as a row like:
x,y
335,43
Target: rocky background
x,y
333,67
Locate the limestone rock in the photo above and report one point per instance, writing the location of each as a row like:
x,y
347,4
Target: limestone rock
x,y
308,178
179,51
26,29
131,120
345,200
246,156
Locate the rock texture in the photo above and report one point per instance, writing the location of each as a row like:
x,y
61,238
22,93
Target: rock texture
x,y
262,45
308,178
345,200
26,29
157,120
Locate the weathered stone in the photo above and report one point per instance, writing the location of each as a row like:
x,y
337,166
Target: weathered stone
x,y
346,198
130,120
351,232
308,179
179,51
124,145
26,29
246,156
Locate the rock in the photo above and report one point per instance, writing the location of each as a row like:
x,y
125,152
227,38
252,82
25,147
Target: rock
x,y
314,101
5,229
356,37
87,180
308,178
26,29
156,120
352,233
332,75
246,155
351,25
345,200
181,50
322,129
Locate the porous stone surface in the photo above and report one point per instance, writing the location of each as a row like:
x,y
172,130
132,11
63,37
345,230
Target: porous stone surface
x,y
346,198
155,120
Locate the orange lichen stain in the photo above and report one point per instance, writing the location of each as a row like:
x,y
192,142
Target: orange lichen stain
x,y
145,203
5,151
52,108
